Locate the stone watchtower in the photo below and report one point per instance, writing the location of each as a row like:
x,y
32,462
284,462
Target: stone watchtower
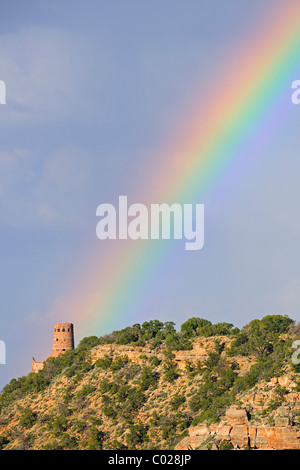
x,y
63,338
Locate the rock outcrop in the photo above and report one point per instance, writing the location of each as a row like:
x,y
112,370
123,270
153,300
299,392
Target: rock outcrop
x,y
198,354
237,431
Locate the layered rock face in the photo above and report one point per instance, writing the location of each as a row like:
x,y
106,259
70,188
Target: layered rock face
x,y
198,353
237,431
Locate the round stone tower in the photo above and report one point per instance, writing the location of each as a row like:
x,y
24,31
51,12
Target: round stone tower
x,y
63,338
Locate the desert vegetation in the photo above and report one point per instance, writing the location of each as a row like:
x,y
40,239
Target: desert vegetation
x,y
115,403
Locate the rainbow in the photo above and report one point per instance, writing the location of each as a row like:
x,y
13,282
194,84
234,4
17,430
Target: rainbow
x,y
250,102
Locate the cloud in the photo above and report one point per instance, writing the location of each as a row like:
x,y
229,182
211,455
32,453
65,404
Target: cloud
x,y
34,317
66,169
44,192
46,75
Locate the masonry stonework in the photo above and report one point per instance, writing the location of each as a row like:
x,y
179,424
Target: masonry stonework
x,y
36,366
63,340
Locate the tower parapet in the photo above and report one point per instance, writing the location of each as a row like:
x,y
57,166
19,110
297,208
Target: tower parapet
x,y
36,366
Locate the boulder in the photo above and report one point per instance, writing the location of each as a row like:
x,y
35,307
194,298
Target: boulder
x,y
239,436
236,416
276,438
198,434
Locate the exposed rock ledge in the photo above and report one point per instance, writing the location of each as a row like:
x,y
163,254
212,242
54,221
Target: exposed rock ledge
x,y
237,430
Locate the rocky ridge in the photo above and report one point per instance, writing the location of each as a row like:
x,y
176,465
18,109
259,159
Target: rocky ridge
x,y
237,432
225,391
239,428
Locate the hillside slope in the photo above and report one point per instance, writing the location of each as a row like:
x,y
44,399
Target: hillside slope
x,y
150,387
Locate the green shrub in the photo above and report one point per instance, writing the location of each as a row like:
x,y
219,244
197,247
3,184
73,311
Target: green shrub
x,y
3,442
226,445
27,418
136,436
110,412
58,424
191,326
176,401
96,437
148,379
67,442
170,375
104,363
177,342
86,390
155,361
53,445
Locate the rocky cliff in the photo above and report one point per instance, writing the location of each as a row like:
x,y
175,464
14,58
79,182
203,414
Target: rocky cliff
x,y
236,431
199,353
206,387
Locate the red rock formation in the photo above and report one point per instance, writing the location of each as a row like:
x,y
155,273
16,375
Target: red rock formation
x,y
241,434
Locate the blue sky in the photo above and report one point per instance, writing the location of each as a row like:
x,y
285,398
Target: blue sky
x,y
93,88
